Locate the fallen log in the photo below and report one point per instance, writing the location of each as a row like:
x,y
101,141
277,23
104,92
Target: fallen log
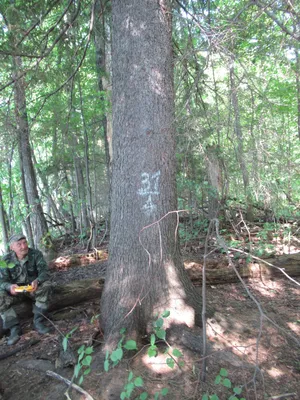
x,y
261,269
66,295
79,291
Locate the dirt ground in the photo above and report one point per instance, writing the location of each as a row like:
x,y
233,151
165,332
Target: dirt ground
x,y
258,350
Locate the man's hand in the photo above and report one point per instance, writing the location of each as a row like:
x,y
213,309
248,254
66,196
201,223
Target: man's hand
x,y
34,285
12,289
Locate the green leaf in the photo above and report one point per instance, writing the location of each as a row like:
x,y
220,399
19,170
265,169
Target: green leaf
x,y
130,345
87,371
80,380
89,350
77,370
65,343
152,339
116,355
161,334
164,391
218,379
226,382
214,397
80,357
170,362
87,361
129,388
106,365
232,397
10,265
177,353
156,396
122,331
123,396
143,396
130,376
138,382
181,363
81,349
152,352
223,372
237,390
166,314
159,323
205,397
69,334
106,355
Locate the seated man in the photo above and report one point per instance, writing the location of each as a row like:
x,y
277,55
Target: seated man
x,y
25,266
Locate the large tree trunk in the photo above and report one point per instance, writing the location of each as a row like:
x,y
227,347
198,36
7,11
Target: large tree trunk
x,y
80,188
92,240
214,173
103,84
3,222
240,141
37,217
100,49
298,87
145,274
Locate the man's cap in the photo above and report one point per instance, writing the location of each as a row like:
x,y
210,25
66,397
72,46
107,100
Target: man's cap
x,y
16,237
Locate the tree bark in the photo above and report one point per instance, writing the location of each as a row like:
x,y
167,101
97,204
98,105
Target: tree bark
x,y
80,185
145,274
103,84
298,88
92,240
37,217
240,142
100,48
3,223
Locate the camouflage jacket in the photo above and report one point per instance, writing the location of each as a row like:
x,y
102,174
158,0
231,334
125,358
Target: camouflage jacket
x,y
34,267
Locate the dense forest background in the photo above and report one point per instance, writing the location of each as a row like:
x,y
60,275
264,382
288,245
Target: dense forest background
x,y
237,91
72,74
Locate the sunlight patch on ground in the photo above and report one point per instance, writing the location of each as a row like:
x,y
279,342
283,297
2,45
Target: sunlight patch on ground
x,y
294,326
158,364
274,372
269,289
233,334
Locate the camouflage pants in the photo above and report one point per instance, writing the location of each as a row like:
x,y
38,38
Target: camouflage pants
x,y
40,298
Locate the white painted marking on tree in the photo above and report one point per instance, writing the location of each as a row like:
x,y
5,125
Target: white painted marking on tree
x,y
150,188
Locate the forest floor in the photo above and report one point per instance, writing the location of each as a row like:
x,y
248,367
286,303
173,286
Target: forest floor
x,y
260,354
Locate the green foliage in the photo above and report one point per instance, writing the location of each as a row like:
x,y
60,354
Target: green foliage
x,y
116,355
4,264
82,368
131,384
135,383
67,337
222,379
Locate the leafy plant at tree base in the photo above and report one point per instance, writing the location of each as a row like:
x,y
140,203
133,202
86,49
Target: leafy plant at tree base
x,y
131,384
112,359
83,363
160,333
222,379
67,337
116,355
